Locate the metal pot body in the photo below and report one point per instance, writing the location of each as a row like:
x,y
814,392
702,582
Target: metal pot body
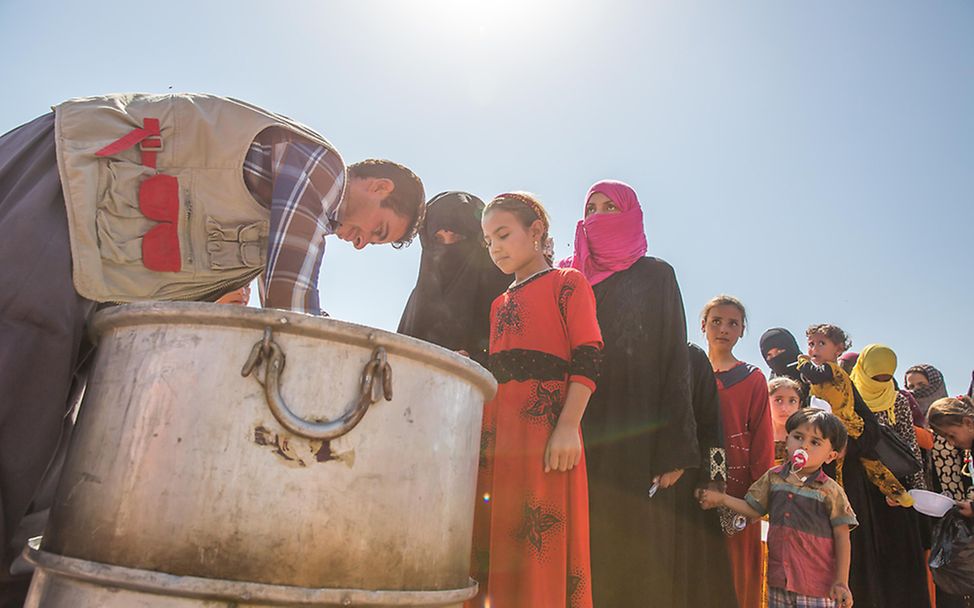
x,y
65,582
178,465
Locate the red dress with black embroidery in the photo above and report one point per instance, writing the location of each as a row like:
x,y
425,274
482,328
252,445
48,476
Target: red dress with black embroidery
x,y
531,540
749,441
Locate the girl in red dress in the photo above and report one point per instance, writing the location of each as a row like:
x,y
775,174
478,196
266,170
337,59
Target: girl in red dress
x,y
748,436
531,541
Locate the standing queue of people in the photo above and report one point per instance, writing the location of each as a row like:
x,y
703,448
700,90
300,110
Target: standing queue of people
x,y
611,439
131,197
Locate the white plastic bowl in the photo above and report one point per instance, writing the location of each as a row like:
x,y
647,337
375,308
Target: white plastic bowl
x,y
931,503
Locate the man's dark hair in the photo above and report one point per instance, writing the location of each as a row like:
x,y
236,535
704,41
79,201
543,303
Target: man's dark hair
x,y
407,198
827,423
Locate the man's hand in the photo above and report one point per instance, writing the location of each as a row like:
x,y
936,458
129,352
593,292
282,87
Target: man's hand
x,y
564,449
841,594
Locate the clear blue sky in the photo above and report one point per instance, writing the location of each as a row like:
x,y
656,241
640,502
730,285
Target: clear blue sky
x,y
815,159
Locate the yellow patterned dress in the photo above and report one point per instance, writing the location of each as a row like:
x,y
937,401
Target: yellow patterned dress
x,y
831,383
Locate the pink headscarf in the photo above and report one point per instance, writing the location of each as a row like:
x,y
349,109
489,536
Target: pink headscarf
x,y
606,243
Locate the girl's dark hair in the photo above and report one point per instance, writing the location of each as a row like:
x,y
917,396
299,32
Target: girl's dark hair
x,y
832,332
780,382
950,411
724,300
827,423
527,209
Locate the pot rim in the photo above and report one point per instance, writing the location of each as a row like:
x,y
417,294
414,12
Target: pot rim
x,y
291,323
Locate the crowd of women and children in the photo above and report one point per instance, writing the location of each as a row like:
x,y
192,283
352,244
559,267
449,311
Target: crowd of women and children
x,y
621,466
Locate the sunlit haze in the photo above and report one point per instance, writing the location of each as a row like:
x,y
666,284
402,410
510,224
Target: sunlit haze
x,y
813,159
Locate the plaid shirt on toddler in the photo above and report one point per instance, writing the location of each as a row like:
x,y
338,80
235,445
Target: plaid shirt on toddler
x,y
802,514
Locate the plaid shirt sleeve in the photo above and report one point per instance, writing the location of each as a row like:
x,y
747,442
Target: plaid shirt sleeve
x,y
758,494
302,182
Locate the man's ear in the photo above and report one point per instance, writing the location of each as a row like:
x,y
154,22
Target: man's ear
x,y
382,185
832,456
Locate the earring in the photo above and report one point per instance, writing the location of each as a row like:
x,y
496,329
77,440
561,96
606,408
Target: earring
x,y
536,248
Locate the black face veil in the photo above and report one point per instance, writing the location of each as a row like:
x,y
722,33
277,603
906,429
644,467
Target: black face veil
x,y
781,364
450,305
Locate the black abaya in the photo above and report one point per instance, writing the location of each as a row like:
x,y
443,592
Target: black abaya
x,y
450,305
640,424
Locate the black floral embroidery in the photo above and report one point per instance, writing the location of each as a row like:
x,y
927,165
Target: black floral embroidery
x,y
587,361
523,364
573,589
535,525
564,295
486,439
545,404
508,319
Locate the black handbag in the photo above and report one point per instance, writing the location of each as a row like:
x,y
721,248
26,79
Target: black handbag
x,y
895,453
952,554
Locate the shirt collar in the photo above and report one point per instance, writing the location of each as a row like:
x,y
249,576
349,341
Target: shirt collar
x,y
334,213
784,472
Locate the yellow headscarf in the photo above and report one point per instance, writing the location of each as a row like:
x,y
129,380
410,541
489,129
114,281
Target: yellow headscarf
x,y
876,360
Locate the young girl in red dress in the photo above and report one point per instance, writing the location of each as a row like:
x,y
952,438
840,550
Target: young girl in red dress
x,y
531,539
748,436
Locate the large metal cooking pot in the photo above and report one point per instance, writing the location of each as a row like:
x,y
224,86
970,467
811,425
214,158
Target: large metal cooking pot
x,y
299,475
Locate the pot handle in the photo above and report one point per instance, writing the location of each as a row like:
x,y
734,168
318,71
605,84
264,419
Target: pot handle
x,y
376,383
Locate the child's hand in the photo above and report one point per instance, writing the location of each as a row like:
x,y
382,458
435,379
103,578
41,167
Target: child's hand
x,y
892,502
841,594
964,508
564,449
709,498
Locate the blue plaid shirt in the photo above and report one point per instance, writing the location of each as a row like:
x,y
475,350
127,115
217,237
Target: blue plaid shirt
x,y
302,184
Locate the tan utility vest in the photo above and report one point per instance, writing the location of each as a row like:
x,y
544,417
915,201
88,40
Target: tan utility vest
x,y
156,200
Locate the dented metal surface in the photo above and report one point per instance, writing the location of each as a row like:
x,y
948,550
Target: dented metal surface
x,y
64,582
179,467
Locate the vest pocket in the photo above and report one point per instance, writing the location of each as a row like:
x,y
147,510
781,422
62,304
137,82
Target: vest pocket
x,y
119,222
242,246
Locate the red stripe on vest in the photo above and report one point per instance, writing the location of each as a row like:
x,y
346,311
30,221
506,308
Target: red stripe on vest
x,y
160,248
148,137
159,201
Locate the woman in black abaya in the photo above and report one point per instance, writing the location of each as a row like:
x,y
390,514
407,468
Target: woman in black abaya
x,y
780,351
450,305
639,425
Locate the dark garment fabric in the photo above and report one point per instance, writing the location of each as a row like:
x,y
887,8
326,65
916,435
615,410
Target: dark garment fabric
x,y
702,567
639,424
946,600
42,322
784,363
450,305
888,569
